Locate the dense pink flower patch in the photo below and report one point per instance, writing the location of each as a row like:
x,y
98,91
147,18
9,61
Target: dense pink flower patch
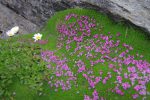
x,y
92,80
126,85
92,50
95,96
61,76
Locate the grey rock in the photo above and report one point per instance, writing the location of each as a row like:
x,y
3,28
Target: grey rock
x,y
36,11
134,11
9,19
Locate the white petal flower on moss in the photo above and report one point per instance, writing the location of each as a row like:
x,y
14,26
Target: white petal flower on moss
x,y
37,37
15,29
10,33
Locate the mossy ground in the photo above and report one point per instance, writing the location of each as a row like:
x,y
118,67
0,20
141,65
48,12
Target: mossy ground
x,y
130,35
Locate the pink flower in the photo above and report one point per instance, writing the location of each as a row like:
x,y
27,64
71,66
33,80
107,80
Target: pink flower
x,y
118,34
118,91
95,95
67,47
69,73
97,49
97,79
125,45
142,82
127,61
142,92
58,74
81,69
75,38
65,67
134,96
109,32
92,84
122,54
86,97
119,79
111,65
104,81
125,75
78,39
70,15
85,76
141,56
131,69
95,36
137,87
126,85
49,66
130,48
91,25
100,72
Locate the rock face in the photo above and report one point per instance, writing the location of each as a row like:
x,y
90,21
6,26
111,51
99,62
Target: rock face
x,y
135,11
9,19
29,15
38,11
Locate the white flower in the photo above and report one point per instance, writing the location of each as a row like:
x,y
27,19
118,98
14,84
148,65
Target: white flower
x,y
10,33
37,36
15,29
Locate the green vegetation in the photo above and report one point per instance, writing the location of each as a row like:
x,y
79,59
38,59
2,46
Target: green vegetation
x,y
23,74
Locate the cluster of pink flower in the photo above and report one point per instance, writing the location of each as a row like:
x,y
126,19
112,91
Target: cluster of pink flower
x,y
107,78
83,24
95,96
81,66
60,70
74,37
90,80
70,16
